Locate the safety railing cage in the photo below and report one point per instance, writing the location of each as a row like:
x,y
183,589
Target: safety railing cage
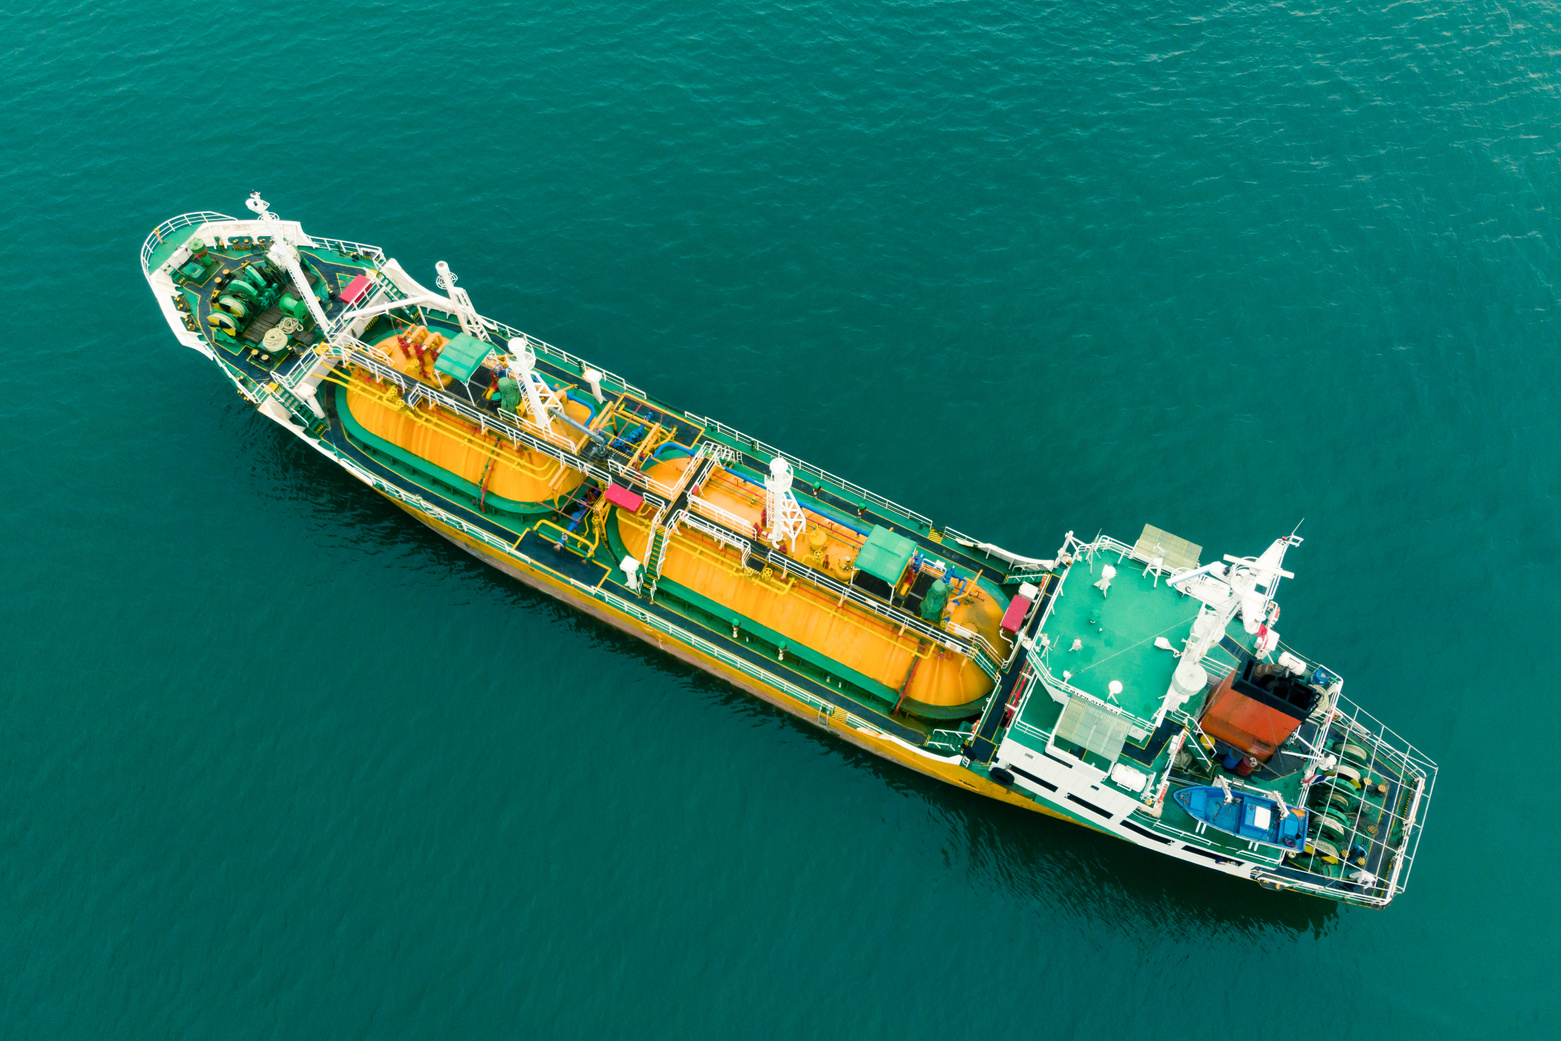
x,y
160,233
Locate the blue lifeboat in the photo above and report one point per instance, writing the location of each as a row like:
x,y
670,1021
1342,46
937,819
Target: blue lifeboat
x,y
1245,815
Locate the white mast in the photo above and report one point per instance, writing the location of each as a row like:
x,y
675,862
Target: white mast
x,y
785,515
1255,581
471,324
522,368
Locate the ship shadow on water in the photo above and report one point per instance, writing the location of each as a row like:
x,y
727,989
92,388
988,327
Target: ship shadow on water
x,y
1040,860
1043,859
1032,858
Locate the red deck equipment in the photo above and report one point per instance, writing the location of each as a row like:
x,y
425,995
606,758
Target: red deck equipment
x,y
355,289
621,496
1013,618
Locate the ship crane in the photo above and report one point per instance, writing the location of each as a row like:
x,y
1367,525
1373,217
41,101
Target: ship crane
x,y
285,256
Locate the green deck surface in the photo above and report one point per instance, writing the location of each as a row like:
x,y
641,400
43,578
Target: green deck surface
x,y
1118,631
164,249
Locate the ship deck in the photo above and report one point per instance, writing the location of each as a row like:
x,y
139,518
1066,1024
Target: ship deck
x,y
596,565
1116,632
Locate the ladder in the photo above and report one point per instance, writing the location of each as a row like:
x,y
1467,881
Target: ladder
x,y
482,482
655,550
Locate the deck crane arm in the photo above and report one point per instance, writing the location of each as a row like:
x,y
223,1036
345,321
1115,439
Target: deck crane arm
x,y
285,255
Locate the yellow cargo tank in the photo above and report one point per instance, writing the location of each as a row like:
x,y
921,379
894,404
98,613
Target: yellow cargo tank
x,y
449,442
926,680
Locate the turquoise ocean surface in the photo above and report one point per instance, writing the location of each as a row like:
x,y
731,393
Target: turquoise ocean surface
x,y
276,762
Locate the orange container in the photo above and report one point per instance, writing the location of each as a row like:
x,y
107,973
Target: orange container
x,y
1256,712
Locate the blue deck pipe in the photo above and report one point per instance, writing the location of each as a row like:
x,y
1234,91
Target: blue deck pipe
x,y
587,402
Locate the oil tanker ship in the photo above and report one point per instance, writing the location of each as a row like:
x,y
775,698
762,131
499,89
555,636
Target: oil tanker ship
x,y
1129,687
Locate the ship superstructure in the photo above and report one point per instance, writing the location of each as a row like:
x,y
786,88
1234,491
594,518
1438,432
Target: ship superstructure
x,y
1128,687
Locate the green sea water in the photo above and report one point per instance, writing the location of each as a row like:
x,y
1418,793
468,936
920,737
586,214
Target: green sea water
x,y
277,763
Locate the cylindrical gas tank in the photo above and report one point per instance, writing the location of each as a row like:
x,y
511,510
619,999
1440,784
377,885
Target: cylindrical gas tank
x,y
927,681
518,476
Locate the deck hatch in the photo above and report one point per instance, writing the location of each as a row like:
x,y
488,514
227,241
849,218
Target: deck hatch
x,y
1093,728
1175,553
462,356
884,555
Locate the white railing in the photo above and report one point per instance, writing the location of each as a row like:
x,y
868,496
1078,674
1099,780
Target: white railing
x,y
685,479
1025,574
714,531
1269,857
991,655
720,515
160,233
542,347
1107,544
383,291
345,246
1043,736
1414,770
818,474
1075,692
289,230
958,536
